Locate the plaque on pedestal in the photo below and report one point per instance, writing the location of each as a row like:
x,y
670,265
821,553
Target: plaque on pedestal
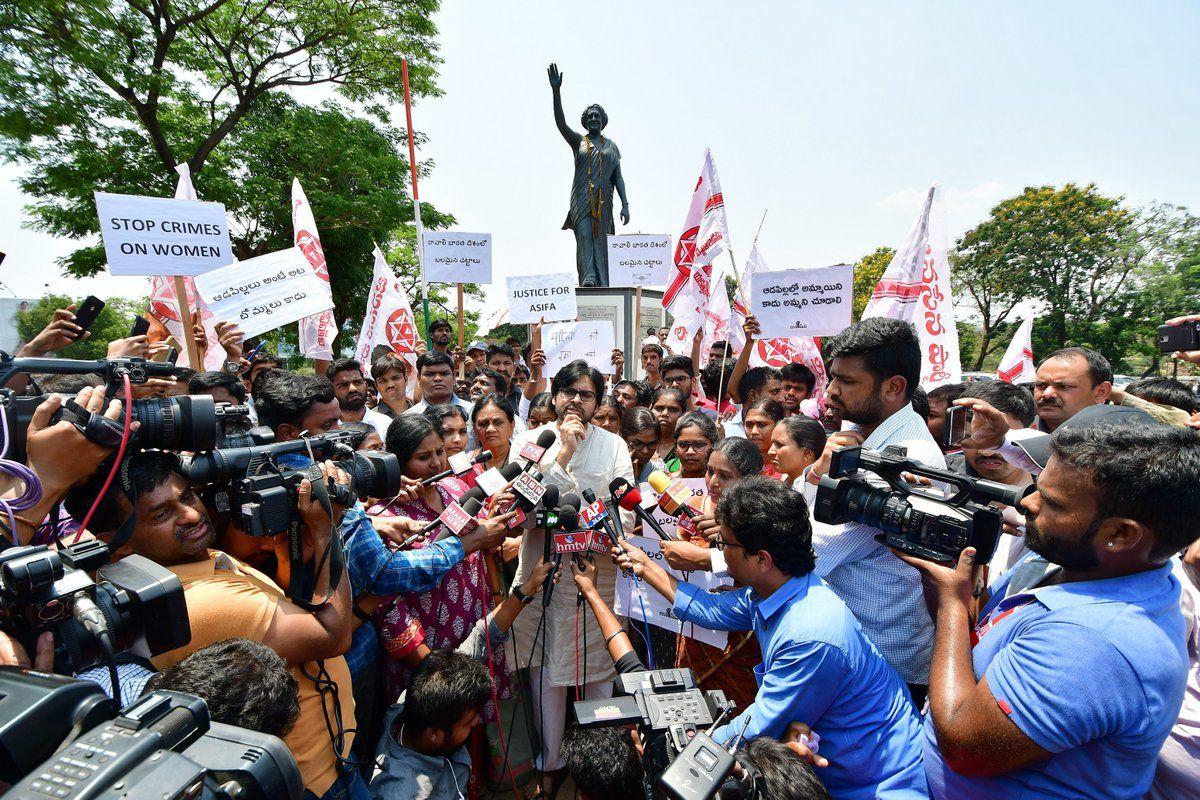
x,y
617,306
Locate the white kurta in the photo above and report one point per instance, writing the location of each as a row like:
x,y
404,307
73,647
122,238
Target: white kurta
x,y
600,457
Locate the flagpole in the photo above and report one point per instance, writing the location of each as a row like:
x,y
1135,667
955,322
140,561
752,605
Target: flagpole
x,y
189,332
635,345
412,164
736,276
462,367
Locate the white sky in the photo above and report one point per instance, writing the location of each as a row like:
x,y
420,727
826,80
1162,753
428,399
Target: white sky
x,y
836,117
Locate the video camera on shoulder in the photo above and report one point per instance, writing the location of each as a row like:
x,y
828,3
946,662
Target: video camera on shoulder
x,y
62,738
133,604
188,422
923,522
668,708
259,489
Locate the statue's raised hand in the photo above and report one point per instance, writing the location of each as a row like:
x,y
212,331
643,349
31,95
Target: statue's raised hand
x,y
555,76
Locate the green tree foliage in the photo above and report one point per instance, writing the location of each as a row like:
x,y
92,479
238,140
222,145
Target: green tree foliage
x,y
867,273
113,322
111,94
1097,273
186,72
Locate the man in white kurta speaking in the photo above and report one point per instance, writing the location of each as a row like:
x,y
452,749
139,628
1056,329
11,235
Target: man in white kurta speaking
x,y
582,457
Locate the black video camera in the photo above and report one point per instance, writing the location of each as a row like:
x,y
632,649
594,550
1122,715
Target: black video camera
x,y
132,603
258,488
667,706
922,522
162,745
187,422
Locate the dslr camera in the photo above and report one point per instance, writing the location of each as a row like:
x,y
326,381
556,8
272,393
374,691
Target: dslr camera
x,y
132,603
188,422
63,738
924,522
671,713
258,486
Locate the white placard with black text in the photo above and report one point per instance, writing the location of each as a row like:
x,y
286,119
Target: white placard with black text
x,y
632,596
565,342
639,259
791,303
635,595
454,257
542,297
162,236
264,293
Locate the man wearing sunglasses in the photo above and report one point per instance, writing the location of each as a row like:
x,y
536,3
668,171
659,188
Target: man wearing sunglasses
x,y
818,667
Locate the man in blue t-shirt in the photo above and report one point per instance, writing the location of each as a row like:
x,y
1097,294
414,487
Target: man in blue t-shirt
x,y
1075,671
818,666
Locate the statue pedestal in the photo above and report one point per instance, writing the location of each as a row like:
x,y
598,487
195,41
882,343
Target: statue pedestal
x,y
616,304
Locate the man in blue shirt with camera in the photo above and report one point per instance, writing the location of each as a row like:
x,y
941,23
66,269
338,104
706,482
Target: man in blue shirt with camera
x,y
818,666
1070,680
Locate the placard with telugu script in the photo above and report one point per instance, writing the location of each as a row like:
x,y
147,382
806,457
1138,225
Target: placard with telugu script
x,y
791,303
264,293
454,257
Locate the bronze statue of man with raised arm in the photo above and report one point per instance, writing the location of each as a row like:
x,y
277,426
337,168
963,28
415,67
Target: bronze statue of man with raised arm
x,y
597,172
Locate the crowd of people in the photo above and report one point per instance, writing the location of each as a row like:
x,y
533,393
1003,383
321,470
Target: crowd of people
x,y
427,665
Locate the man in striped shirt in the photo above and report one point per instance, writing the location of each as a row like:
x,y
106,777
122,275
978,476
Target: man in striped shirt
x,y
874,372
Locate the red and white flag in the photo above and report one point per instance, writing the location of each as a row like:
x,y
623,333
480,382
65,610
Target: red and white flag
x,y
165,308
1017,365
318,331
915,287
389,318
705,236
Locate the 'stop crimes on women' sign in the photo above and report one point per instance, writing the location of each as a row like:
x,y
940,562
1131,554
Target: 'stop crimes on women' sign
x,y
162,236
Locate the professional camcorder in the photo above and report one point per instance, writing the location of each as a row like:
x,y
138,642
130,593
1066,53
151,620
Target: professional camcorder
x,y
920,521
62,738
671,713
258,488
132,603
188,422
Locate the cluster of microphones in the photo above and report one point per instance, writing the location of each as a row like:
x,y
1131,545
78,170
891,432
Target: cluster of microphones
x,y
575,525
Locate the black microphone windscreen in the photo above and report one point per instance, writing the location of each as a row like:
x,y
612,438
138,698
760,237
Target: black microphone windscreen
x,y
510,471
546,438
572,500
568,518
483,457
475,493
472,505
550,498
617,485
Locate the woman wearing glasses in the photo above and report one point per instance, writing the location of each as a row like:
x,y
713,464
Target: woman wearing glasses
x,y
695,436
640,431
583,457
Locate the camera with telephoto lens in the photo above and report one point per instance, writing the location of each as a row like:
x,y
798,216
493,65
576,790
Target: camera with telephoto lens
x,y
258,487
669,709
188,422
62,739
133,603
924,522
